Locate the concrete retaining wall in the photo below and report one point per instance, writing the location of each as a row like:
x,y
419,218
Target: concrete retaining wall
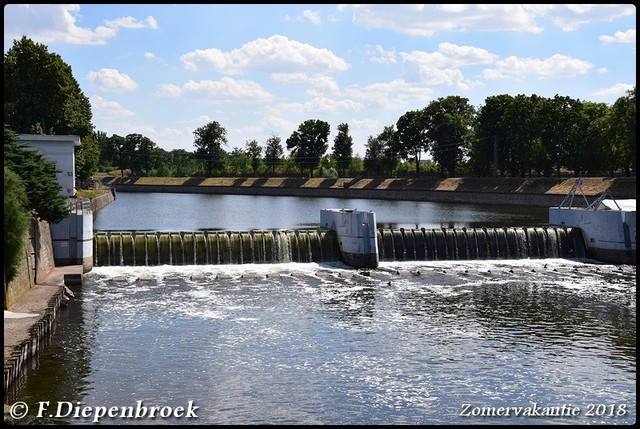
x,y
30,347
99,201
522,199
522,191
38,240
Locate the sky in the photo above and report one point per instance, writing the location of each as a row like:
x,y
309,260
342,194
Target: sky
x,y
261,70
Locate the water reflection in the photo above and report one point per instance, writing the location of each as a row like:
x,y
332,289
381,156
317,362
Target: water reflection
x,y
199,212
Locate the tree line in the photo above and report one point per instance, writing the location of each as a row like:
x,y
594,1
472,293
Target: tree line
x,y
508,136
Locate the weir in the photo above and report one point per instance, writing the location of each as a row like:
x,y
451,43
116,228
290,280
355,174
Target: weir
x,y
132,248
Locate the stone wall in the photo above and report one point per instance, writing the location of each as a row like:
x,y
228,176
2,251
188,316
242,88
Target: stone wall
x,y
37,240
99,201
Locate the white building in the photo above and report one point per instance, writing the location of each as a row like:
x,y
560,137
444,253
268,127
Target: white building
x,y
60,150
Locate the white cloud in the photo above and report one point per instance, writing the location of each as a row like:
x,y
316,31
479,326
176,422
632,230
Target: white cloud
x,y
168,90
396,94
628,36
320,84
131,22
111,80
429,19
277,54
449,55
108,109
312,16
381,55
441,67
56,23
554,66
569,17
150,56
223,90
617,90
322,105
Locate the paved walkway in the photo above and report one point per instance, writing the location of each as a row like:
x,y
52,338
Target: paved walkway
x,y
32,307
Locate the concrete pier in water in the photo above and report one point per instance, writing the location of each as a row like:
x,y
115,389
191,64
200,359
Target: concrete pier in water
x,y
357,235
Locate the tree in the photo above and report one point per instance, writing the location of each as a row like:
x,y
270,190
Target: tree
x,y
209,140
182,162
590,152
488,145
273,152
381,155
624,131
309,143
390,149
38,175
139,149
253,152
449,123
237,162
412,136
16,223
117,146
373,156
343,148
87,158
558,119
41,96
521,127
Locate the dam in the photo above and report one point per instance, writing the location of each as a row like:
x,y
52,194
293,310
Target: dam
x,y
133,248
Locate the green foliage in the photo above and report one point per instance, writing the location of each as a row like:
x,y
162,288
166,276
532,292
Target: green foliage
x,y
623,124
488,147
309,143
382,153
238,163
209,140
16,223
254,151
273,153
343,148
41,96
449,123
412,136
87,157
38,175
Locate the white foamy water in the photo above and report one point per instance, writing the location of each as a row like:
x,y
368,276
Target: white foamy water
x,y
306,343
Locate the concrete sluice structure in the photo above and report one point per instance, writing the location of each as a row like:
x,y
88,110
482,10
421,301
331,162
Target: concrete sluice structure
x,y
127,248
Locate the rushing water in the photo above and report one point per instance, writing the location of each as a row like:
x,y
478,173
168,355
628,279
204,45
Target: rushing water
x,y
412,342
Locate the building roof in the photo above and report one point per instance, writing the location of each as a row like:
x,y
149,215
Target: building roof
x,y
51,138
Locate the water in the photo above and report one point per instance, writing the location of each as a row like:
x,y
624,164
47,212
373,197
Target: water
x,y
193,212
413,342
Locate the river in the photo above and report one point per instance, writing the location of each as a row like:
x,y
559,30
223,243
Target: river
x,y
522,341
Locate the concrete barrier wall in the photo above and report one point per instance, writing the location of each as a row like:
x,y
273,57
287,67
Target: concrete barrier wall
x,y
37,239
99,201
521,199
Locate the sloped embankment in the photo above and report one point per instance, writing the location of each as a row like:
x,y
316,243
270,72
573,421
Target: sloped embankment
x,y
543,191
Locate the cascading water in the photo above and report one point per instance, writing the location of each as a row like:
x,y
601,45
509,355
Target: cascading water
x,y
213,247
479,243
247,247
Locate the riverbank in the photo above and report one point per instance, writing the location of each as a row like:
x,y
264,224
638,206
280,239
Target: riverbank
x,y
30,320
34,299
530,191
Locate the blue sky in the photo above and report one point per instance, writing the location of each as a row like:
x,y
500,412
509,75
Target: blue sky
x,y
261,70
